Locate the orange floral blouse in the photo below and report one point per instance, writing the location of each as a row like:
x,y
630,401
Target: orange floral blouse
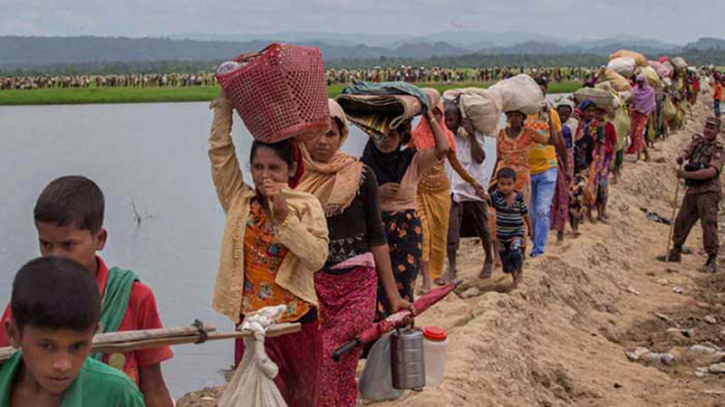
x,y
262,260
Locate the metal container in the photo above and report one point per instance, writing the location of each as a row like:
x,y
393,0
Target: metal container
x,y
408,362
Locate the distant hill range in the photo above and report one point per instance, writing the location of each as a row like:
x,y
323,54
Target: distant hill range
x,y
18,52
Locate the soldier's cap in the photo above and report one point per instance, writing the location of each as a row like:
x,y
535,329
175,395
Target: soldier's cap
x,y
715,121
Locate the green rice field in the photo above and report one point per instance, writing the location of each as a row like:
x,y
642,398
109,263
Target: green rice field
x,y
95,95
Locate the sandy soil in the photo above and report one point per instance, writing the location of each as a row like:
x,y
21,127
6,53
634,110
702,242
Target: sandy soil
x,y
561,338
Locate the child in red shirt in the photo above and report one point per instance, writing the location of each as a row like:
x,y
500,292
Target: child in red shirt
x,y
69,220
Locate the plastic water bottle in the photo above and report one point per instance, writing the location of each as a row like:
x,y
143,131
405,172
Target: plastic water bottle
x,y
226,67
435,350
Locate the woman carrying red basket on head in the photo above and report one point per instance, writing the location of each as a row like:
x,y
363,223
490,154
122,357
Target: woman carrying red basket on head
x,y
275,239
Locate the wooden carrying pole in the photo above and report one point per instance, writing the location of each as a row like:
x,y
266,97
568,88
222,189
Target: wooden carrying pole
x,y
119,342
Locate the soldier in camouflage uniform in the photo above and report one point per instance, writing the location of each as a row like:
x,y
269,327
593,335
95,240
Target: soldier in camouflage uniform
x,y
705,156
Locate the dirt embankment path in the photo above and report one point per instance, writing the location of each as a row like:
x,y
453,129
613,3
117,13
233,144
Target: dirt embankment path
x,y
560,338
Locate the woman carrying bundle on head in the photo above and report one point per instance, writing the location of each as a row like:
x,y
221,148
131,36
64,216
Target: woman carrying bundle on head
x,y
398,171
606,148
434,196
514,145
644,104
347,284
560,203
588,152
275,239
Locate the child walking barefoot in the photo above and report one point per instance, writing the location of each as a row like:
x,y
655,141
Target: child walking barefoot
x,y
512,215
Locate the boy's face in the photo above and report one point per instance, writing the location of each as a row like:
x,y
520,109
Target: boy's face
x,y
506,185
453,120
53,357
71,242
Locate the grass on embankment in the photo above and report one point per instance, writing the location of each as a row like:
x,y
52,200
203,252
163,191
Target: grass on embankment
x,y
93,95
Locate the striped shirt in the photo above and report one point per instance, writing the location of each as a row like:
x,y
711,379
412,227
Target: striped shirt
x,y
509,219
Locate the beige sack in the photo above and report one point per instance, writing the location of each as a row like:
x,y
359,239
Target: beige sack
x,y
619,82
639,59
253,383
520,93
624,66
602,98
653,79
679,63
483,108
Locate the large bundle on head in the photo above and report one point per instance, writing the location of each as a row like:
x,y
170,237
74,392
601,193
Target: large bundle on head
x,y
639,59
679,63
624,66
619,82
520,93
606,86
662,70
667,64
482,107
279,92
621,120
603,99
378,108
652,78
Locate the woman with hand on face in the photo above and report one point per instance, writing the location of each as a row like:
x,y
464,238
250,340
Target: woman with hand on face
x,y
347,285
275,239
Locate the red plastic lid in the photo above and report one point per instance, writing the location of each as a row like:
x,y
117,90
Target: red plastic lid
x,y
434,333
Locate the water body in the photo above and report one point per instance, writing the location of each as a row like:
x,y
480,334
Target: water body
x,y
150,160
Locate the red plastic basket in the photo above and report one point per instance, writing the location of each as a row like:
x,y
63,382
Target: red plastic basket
x,y
280,92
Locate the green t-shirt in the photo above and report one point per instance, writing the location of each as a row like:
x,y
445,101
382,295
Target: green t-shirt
x,y
96,385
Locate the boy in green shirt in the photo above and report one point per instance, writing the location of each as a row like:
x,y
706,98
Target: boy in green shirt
x,y
56,308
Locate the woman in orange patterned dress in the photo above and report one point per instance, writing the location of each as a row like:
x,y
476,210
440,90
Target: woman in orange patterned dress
x,y
513,146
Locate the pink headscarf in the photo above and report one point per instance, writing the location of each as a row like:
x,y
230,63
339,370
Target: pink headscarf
x,y
644,96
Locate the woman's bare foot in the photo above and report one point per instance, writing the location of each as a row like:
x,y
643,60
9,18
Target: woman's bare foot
x,y
518,276
426,278
559,238
590,217
486,271
450,275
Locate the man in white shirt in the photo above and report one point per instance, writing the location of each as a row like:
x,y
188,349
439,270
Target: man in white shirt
x,y
477,154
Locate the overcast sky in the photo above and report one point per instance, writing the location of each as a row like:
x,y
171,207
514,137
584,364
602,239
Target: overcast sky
x,y
668,20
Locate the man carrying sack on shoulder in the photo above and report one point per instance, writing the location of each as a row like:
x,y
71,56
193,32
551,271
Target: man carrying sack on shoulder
x,y
705,156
